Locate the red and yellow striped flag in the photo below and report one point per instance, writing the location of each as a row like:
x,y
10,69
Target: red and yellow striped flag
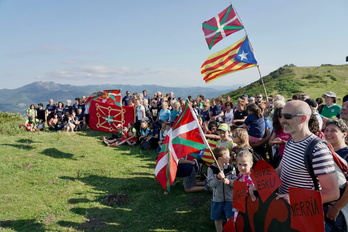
x,y
236,57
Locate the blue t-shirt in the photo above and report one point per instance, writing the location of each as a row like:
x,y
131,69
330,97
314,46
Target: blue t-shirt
x,y
256,126
164,115
217,109
343,153
205,115
174,114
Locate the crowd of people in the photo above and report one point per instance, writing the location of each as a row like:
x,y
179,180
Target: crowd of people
x,y
57,116
274,129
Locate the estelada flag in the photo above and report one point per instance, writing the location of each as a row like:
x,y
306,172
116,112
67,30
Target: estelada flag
x,y
207,156
221,26
185,137
111,97
105,117
236,57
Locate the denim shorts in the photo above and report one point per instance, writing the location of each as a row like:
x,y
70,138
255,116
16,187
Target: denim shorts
x,y
220,209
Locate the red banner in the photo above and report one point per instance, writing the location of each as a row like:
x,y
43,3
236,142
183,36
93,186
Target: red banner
x,y
105,117
265,178
306,206
239,195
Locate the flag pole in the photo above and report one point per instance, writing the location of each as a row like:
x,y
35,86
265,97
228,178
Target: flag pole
x,y
251,47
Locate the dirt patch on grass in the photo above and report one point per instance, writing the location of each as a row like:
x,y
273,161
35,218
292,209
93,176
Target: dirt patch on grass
x,y
29,166
118,199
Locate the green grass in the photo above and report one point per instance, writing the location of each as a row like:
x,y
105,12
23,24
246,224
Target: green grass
x,y
289,80
58,182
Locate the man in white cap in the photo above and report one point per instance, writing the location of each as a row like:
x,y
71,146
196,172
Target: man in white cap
x,y
330,110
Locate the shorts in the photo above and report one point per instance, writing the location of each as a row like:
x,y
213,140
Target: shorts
x,y
190,181
220,209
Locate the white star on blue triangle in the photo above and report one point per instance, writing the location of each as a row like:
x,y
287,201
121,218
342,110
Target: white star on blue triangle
x,y
245,54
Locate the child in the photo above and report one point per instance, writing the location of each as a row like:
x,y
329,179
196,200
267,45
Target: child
x,y
163,132
164,114
244,164
221,182
116,141
144,131
225,140
41,125
255,123
131,139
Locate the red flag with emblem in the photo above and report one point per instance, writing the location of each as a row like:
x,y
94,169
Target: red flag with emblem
x,y
105,117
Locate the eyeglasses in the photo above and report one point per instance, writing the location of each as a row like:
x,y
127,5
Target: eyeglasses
x,y
228,105
289,116
258,97
234,135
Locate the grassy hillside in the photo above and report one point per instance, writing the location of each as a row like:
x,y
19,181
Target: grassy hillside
x,y
58,182
288,80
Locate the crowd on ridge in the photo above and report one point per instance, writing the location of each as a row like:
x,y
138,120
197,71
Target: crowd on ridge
x,y
248,128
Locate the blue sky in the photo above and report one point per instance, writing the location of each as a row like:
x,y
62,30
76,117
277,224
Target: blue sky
x,y
82,42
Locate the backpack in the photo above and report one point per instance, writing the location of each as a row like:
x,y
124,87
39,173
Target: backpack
x,y
340,166
309,156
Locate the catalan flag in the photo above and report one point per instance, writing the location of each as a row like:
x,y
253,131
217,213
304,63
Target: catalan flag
x,y
236,57
221,26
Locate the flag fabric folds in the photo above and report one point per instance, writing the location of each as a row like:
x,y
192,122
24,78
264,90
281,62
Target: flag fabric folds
x,y
221,26
207,156
185,137
236,57
111,97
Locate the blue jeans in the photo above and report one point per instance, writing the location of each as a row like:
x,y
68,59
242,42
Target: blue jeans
x,y
335,226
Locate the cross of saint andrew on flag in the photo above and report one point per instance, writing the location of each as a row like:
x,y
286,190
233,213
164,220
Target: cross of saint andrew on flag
x,y
185,137
221,26
236,57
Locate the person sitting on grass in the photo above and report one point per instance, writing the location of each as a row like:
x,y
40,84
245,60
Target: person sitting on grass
x,y
114,142
163,133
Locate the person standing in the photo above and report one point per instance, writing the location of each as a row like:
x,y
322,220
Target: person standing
x,y
331,109
126,99
292,170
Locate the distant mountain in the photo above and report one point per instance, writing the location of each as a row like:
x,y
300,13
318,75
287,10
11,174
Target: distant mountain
x,y
18,100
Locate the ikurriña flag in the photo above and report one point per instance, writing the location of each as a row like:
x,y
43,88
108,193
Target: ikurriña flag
x,y
221,26
185,137
236,57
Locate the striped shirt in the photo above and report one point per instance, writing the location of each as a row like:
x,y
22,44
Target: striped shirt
x,y
294,172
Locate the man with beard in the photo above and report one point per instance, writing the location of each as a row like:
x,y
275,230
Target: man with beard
x,y
292,170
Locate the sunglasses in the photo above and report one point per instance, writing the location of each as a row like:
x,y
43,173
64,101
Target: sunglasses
x,y
228,105
234,135
289,116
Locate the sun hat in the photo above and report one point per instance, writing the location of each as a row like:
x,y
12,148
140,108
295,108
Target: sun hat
x,y
330,94
224,127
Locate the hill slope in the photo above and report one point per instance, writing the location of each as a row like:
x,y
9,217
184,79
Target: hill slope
x,y
289,80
